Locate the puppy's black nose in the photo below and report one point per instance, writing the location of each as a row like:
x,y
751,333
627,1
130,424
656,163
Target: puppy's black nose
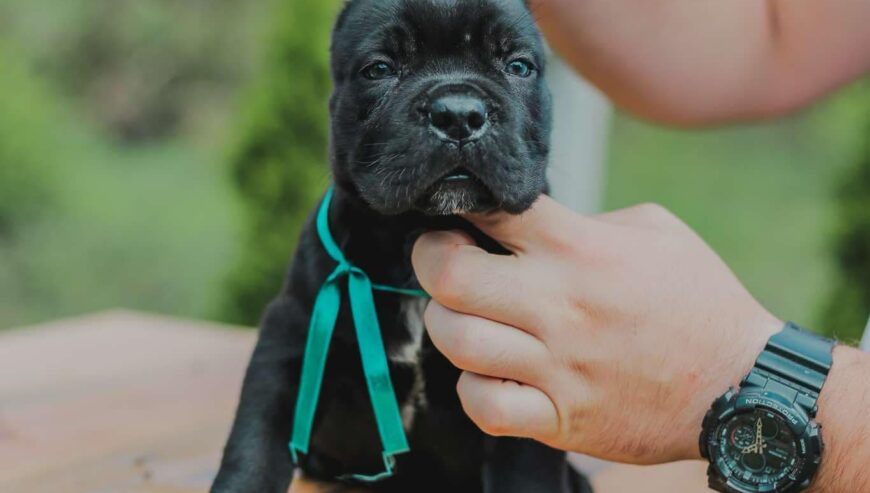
x,y
459,117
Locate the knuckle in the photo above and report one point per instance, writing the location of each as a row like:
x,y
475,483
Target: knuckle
x,y
652,210
459,347
565,242
437,318
431,315
493,419
580,366
433,321
455,336
567,237
464,344
449,282
485,409
656,213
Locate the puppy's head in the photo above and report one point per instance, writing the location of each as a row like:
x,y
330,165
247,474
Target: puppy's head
x,y
439,106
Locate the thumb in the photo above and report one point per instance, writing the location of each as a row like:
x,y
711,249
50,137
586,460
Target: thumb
x,y
518,232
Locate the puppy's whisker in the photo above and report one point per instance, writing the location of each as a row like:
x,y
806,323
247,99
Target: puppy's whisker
x,y
385,159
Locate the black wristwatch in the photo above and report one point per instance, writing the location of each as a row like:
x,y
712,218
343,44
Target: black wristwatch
x,y
763,437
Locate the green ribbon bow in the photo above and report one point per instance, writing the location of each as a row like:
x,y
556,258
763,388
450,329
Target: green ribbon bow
x,y
371,346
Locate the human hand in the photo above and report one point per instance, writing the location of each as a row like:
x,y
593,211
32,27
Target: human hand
x,y
608,335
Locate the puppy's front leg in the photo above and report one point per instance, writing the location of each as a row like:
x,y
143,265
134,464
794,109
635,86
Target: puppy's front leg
x,y
256,458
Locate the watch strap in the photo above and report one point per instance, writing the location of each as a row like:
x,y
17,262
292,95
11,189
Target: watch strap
x,y
795,364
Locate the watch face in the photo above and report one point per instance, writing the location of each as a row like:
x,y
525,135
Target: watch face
x,y
757,447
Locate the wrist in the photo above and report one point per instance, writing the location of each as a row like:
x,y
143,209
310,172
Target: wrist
x,y
843,399
734,361
765,434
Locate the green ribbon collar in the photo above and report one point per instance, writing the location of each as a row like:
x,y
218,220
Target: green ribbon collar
x,y
371,346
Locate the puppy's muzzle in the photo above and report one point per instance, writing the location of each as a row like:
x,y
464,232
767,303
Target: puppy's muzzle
x,y
458,113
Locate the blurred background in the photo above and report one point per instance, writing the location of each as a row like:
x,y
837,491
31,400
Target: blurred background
x,y
161,156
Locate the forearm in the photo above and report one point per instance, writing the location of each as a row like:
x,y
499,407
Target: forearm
x,y
844,412
707,61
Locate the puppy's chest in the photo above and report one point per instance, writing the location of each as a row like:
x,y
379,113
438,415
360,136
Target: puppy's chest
x,y
411,317
410,352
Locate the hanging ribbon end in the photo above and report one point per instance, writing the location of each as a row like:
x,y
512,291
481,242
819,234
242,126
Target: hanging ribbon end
x,y
389,469
294,453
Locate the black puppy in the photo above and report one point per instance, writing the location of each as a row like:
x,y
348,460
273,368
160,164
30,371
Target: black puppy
x,y
439,108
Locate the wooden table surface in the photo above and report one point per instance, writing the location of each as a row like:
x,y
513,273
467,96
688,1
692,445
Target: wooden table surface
x,y
123,402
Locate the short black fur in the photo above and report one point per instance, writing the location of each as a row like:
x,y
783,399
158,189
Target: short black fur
x,y
396,176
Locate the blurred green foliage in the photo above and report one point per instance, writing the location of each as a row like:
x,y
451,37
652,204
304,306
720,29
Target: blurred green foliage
x,y
280,162
763,195
139,70
25,113
35,135
849,306
92,217
133,174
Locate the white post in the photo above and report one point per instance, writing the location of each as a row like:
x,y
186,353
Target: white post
x,y
581,123
865,344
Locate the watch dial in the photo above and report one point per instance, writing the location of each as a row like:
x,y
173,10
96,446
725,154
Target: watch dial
x,y
758,447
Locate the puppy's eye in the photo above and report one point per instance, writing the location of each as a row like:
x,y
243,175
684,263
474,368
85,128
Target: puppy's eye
x,y
520,68
378,71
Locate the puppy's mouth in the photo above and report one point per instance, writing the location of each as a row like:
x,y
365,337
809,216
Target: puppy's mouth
x,y
457,192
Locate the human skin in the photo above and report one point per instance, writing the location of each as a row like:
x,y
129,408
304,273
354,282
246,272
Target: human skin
x,y
611,336
704,62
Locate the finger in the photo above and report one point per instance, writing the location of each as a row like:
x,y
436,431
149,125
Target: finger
x,y
545,220
469,280
506,408
485,347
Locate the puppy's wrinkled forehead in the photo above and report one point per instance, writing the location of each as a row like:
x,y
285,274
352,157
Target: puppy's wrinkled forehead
x,y
431,30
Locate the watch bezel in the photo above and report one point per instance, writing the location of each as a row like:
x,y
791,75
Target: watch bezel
x,y
807,433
